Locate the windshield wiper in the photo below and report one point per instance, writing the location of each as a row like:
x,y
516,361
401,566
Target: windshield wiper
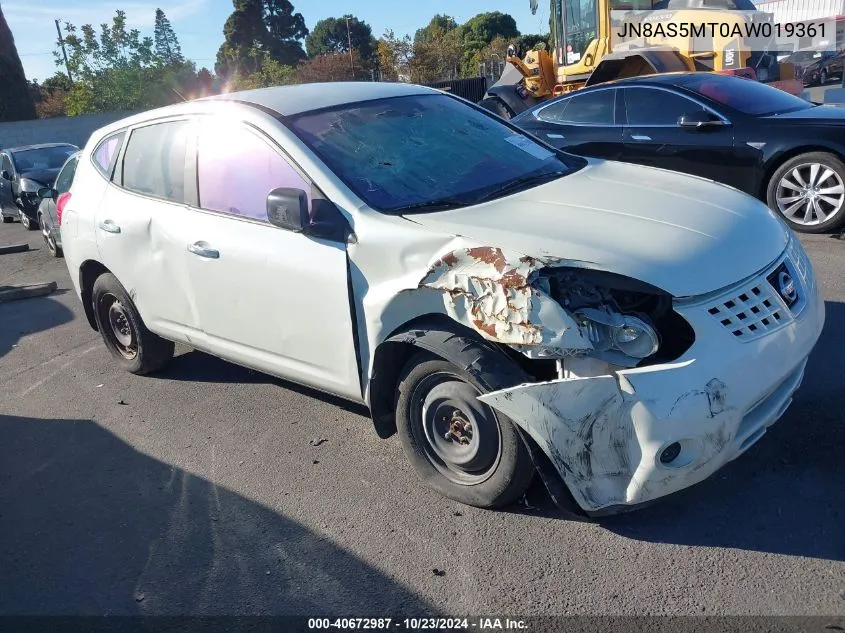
x,y
441,204
518,184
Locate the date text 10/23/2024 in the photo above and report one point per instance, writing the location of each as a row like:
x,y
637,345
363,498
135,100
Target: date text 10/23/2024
x,y
418,624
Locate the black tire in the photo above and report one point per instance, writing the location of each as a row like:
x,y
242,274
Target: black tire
x,y
138,350
49,241
496,106
782,198
7,219
497,480
823,77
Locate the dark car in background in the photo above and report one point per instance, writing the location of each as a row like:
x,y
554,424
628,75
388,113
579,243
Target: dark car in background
x,y
25,170
53,200
830,66
807,63
766,142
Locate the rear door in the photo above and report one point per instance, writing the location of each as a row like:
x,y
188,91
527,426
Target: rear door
x,y
584,124
143,219
654,138
7,200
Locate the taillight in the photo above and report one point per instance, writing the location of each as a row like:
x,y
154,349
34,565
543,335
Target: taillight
x,y
61,201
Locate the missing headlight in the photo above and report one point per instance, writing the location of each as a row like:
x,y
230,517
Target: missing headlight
x,y
630,323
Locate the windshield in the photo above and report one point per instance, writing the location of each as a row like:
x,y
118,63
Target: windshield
x,y
744,95
418,150
42,158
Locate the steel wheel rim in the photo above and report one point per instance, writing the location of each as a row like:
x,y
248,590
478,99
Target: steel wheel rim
x,y
810,194
461,436
45,232
118,326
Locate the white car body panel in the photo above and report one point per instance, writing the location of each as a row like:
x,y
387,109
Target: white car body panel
x,y
279,302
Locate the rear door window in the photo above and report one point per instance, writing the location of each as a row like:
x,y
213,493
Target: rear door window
x,y
156,160
649,106
591,108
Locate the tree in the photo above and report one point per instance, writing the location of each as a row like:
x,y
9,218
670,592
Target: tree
x,y
331,36
332,67
394,56
480,31
16,102
167,47
437,55
257,27
439,25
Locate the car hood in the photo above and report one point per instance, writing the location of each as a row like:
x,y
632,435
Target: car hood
x,y
45,177
686,235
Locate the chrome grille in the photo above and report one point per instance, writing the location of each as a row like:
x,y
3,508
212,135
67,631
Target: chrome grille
x,y
752,311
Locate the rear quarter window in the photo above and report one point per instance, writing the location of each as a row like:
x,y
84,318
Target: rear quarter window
x,y
105,154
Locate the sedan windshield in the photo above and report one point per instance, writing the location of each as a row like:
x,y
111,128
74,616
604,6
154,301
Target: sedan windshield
x,y
426,152
42,158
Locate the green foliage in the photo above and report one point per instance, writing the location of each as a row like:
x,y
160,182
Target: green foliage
x,y
167,47
269,26
270,73
331,36
16,103
119,70
439,25
394,56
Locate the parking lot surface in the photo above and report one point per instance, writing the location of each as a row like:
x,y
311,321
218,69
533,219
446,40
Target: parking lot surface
x,y
211,489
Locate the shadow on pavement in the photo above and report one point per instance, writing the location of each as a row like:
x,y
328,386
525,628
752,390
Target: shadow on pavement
x,y
28,316
196,366
787,494
89,525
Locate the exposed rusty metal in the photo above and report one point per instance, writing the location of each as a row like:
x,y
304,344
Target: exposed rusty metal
x,y
490,291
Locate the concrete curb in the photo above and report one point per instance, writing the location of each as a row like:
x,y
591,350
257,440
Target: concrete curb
x,y
26,291
14,248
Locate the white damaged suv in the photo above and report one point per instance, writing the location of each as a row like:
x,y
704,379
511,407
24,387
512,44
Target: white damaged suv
x,y
504,307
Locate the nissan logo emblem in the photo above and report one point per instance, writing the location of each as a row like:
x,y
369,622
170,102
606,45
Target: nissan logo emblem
x,y
787,286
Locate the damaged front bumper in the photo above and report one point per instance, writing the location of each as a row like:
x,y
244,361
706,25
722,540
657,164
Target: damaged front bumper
x,y
605,434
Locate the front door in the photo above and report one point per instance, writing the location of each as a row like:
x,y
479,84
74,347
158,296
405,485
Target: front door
x,y
267,298
141,227
653,138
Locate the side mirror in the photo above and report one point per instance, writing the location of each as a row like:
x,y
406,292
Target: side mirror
x,y
5,175
288,209
700,119
47,193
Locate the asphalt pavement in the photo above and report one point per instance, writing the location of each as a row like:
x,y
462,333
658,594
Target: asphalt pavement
x,y
212,489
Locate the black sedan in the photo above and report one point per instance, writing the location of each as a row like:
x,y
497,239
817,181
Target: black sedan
x,y
25,170
772,145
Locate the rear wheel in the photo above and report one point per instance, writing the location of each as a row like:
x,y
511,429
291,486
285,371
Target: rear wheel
x,y
138,350
49,240
823,77
458,445
809,192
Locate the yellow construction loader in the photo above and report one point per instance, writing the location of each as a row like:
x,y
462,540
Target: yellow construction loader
x,y
592,45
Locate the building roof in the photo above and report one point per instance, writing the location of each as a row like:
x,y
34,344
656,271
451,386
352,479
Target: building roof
x,y
290,100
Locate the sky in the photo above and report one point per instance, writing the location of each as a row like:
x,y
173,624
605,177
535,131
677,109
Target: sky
x,y
199,23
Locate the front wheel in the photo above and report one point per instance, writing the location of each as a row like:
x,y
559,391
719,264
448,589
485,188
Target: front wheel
x,y
138,350
809,192
496,106
458,445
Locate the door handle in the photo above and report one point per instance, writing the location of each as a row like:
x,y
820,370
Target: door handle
x,y
109,226
202,249
640,137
